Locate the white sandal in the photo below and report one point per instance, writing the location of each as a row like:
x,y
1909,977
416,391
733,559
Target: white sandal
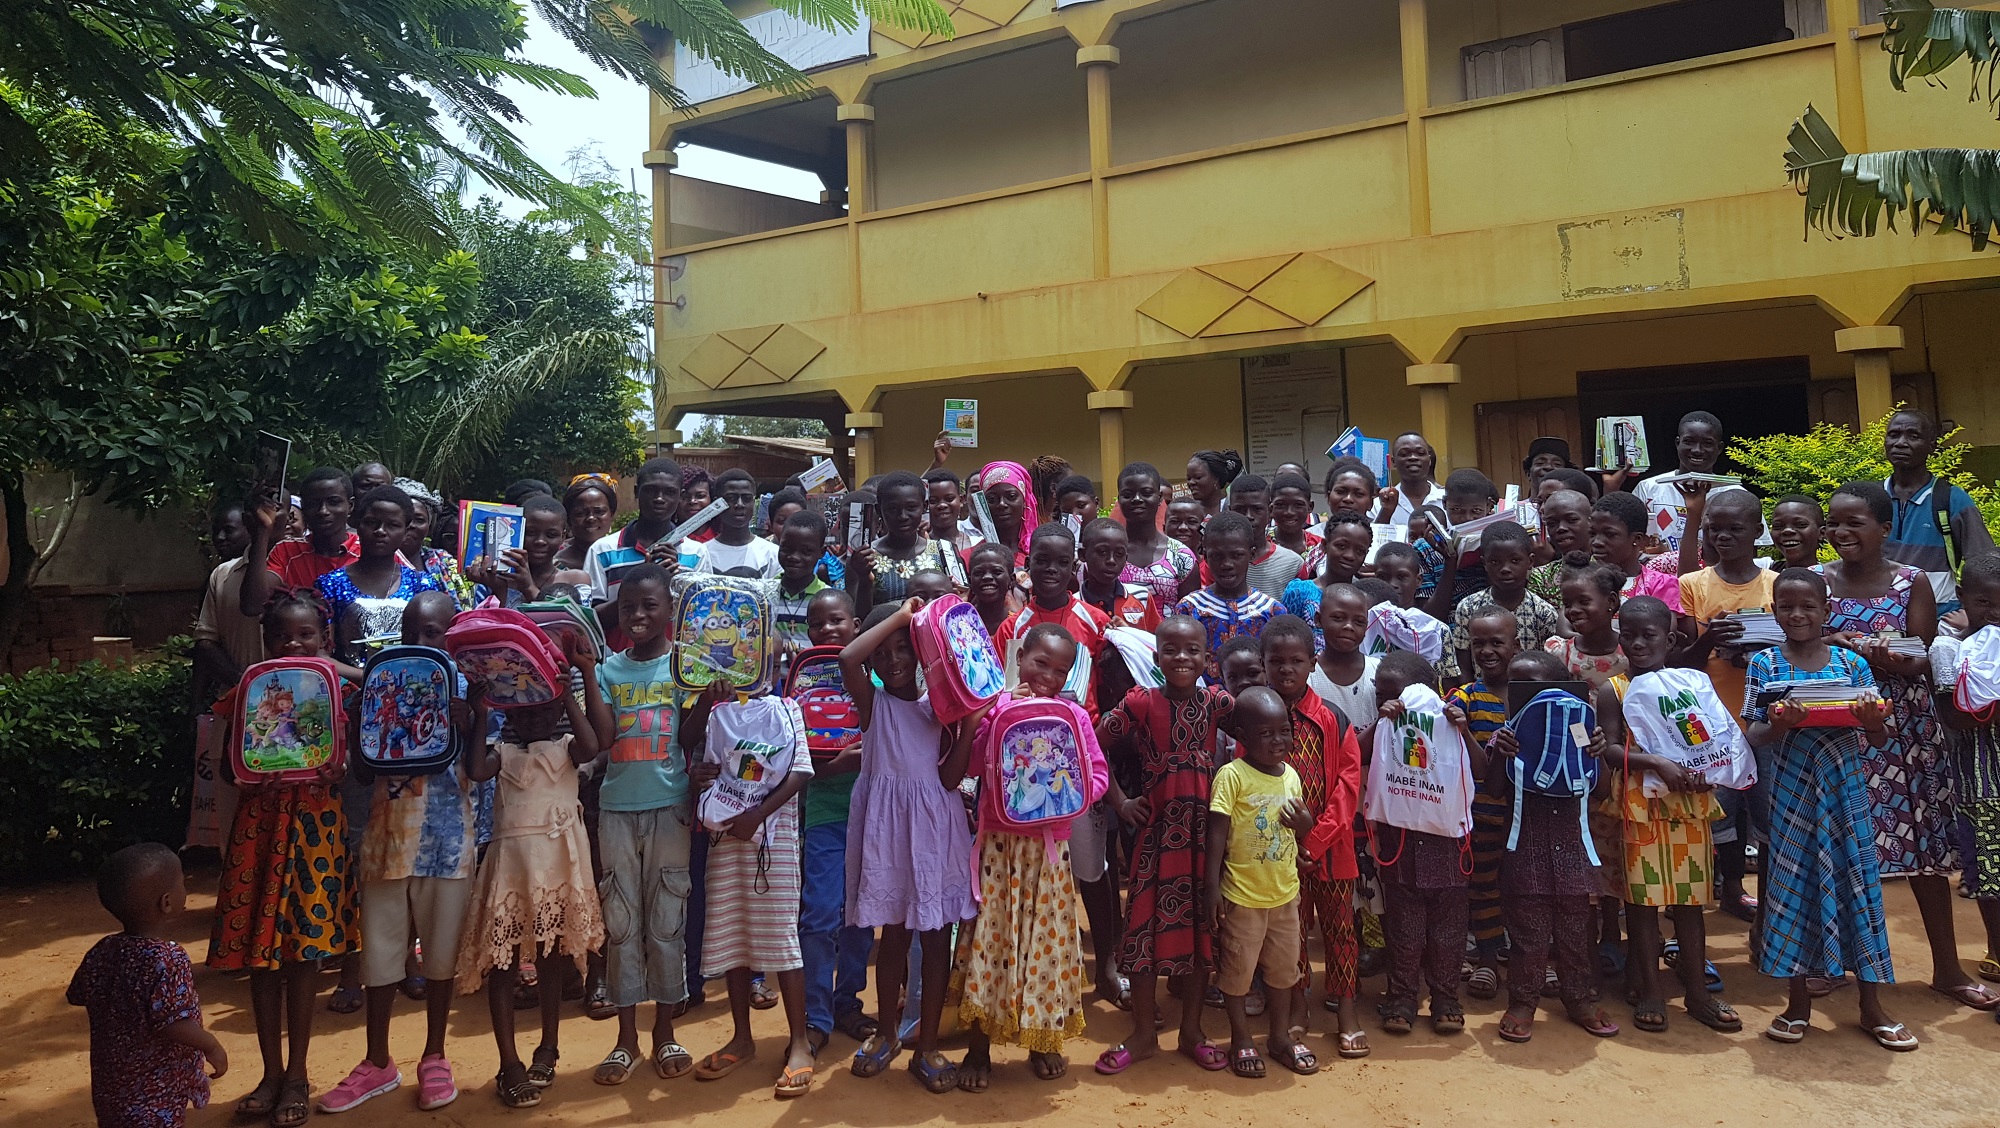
x,y
1787,1030
1894,1036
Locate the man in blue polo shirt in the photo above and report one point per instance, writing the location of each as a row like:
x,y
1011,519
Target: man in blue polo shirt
x,y
1918,536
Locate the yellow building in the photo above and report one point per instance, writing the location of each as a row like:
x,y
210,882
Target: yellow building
x,y
1132,228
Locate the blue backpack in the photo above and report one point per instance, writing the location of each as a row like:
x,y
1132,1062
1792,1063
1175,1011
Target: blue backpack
x,y
1551,761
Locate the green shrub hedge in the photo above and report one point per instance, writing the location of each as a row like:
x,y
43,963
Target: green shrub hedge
x,y
92,760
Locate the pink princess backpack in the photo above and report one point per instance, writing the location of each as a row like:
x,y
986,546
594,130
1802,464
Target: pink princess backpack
x,y
961,669
289,722
1037,766
505,651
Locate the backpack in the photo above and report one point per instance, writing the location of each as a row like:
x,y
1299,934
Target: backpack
x,y
1420,777
962,671
1976,670
827,709
1037,765
1554,732
723,632
406,694
1395,628
507,653
1675,713
756,741
289,722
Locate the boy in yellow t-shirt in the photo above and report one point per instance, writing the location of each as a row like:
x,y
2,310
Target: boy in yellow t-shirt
x,y
1729,522
1256,812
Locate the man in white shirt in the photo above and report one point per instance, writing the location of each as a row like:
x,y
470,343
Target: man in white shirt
x,y
1416,467
1697,446
735,546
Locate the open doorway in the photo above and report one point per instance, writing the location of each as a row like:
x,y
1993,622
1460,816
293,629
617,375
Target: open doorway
x,y
1751,397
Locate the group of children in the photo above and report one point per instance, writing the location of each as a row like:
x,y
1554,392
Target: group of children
x,y
1449,763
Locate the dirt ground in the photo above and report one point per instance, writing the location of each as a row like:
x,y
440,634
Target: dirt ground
x,y
1837,1077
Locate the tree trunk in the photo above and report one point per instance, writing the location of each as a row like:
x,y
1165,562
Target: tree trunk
x,y
14,593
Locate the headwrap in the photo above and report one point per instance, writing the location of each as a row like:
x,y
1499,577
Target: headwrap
x,y
1016,475
419,492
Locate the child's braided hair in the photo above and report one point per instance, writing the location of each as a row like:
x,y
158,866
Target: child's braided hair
x,y
286,598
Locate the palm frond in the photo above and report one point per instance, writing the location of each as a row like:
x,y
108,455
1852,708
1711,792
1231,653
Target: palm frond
x,y
1923,41
469,422
1846,193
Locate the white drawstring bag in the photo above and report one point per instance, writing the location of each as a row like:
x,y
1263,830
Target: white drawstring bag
x,y
1396,628
1420,777
1978,672
1675,713
758,743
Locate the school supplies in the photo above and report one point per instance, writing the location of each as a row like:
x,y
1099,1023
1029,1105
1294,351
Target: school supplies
x,y
507,653
272,458
1760,629
486,529
723,632
1036,764
1715,481
1383,533
693,525
756,743
983,513
1140,651
961,669
1396,628
1900,644
406,695
961,422
822,477
1975,677
1373,453
1674,713
561,615
860,519
289,723
1621,444
1826,704
1554,731
1420,777
815,683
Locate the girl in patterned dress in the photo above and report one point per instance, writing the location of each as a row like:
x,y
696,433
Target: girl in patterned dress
x,y
1910,786
286,900
1821,895
1228,606
1171,732
1163,565
1978,745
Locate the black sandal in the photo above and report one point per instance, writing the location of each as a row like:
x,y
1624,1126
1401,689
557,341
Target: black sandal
x,y
294,1105
1718,1016
542,1074
521,1094
1449,1019
262,1099
1398,1017
1650,1015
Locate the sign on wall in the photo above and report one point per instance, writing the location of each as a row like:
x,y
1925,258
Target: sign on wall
x,y
1294,407
786,36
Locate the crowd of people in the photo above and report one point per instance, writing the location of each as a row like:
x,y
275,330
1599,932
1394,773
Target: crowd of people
x,y
1272,761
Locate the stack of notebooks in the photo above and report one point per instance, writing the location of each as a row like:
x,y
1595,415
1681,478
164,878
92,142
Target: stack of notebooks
x,y
1906,646
1760,629
1715,481
1827,704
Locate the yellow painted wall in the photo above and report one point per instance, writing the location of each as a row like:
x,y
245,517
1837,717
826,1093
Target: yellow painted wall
x,y
1962,344
1626,145
1455,24
1920,116
1040,239
1380,400
1009,119
1239,70
1018,420
795,278
1182,408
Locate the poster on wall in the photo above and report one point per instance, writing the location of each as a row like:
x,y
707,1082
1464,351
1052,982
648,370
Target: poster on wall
x,y
1294,407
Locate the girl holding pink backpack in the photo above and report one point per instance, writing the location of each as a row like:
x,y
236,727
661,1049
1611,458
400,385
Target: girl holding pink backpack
x,y
1038,763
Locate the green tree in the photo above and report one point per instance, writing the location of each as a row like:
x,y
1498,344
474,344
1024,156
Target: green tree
x,y
713,427
354,98
1847,193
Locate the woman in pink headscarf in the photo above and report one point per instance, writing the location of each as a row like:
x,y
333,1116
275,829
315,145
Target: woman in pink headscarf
x,y
1010,497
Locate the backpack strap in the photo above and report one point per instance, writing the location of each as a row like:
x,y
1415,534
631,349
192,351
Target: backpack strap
x,y
1941,516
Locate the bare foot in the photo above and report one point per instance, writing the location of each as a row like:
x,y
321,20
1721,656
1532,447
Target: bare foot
x,y
974,1070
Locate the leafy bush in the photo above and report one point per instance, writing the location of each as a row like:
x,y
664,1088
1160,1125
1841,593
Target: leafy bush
x,y
1830,456
92,760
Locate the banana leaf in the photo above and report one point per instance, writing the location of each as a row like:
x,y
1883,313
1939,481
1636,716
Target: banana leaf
x,y
1923,41
1847,193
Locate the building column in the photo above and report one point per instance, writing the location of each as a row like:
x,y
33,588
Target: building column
x,y
864,424
858,119
1097,63
1433,384
1110,408
663,440
1844,20
1415,23
1874,389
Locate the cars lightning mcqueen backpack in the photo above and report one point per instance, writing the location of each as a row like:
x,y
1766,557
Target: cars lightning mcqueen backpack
x,y
406,695
289,722
962,671
723,632
832,723
505,651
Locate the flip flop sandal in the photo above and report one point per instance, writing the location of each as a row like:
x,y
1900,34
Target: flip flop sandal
x,y
816,1040
1114,1061
542,1074
1820,986
1447,1022
1048,1067
875,1055
1599,1026
1989,968
1790,1031
1743,908
345,1000
1212,997
619,1059
796,1081
1893,1036
1483,983
934,1072
527,996
597,1003
262,1099
856,1025
763,996
1551,983
1971,995
1516,1029
1610,960
720,1064
1718,1016
1650,1015
1712,978
1247,1063
1297,1058
671,1060
1208,1055
975,1072
294,1105
1354,1044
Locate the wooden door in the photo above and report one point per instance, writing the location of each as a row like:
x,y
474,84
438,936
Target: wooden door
x,y
1832,401
1506,427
